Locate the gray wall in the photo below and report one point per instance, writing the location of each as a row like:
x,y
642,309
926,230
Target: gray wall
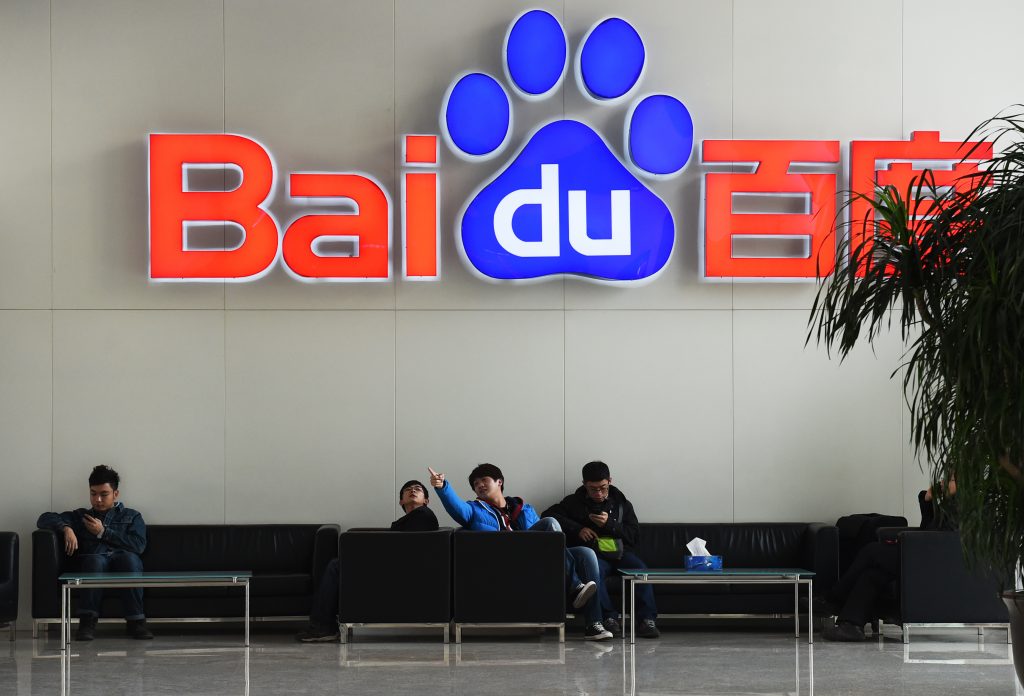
x,y
282,401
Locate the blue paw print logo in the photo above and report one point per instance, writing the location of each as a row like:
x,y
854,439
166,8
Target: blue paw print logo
x,y
565,204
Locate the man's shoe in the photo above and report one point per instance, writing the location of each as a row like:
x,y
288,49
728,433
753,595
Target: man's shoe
x,y
843,632
86,629
647,629
596,631
319,634
612,625
582,593
137,629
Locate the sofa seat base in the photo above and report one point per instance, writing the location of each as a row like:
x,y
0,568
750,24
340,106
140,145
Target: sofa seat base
x,y
508,624
347,628
45,624
980,627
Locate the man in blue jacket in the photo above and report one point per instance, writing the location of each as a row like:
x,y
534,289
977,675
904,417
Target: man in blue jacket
x,y
492,511
108,537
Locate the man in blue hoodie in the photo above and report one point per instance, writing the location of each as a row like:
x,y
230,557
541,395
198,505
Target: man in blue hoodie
x,y
108,537
492,511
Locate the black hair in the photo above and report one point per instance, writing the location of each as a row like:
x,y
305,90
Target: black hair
x,y
413,482
485,469
596,471
104,474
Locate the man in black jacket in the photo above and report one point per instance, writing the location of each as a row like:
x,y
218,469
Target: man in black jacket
x,y
323,620
600,516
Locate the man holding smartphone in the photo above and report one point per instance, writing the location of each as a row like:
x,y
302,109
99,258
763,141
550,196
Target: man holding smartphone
x,y
108,537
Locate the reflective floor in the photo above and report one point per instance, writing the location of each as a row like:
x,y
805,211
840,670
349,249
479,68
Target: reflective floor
x,y
685,661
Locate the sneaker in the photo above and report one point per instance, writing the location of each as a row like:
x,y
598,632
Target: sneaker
x,y
138,629
647,629
582,593
86,628
612,625
596,631
319,634
844,632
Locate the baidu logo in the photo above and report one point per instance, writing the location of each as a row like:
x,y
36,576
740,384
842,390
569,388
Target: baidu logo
x,y
565,204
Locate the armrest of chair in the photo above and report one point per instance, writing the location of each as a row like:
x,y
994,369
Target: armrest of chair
x,y
820,553
936,586
325,549
8,576
48,562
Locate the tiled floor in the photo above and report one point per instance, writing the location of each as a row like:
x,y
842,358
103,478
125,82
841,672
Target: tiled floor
x,y
684,661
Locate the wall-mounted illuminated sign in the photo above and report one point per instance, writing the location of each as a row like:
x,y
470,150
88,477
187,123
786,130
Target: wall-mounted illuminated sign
x,y
563,205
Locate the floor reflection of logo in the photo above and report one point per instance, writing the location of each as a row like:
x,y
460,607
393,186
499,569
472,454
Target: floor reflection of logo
x,y
565,204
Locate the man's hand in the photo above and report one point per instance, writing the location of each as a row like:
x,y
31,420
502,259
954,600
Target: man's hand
x,y
587,534
436,479
94,526
599,520
70,541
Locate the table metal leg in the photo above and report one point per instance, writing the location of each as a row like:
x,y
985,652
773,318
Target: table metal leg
x,y
796,606
810,612
247,613
632,611
63,617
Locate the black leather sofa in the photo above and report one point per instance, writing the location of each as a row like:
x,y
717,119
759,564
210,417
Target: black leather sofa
x,y
286,560
810,546
937,589
9,579
395,579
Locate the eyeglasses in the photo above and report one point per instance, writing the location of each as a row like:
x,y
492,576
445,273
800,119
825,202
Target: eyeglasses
x,y
597,489
414,489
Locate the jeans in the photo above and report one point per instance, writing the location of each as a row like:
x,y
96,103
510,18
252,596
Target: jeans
x,y
581,566
645,608
89,601
324,613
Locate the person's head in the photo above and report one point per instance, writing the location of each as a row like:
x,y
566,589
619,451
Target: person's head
x,y
487,481
412,495
103,483
596,480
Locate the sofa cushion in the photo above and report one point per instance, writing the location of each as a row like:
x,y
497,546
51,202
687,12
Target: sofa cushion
x,y
284,548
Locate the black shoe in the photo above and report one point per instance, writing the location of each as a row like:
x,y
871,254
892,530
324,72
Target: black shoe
x,y
86,628
843,632
137,629
596,631
582,593
319,634
612,625
647,629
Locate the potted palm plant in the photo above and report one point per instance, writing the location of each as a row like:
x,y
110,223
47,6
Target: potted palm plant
x,y
947,263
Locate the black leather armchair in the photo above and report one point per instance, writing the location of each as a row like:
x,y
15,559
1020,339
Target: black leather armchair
x,y
509,579
9,579
936,588
395,578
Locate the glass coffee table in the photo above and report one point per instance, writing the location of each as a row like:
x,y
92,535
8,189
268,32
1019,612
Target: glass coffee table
x,y
734,576
96,581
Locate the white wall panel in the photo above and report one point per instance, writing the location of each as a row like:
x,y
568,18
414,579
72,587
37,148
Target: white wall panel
x,y
25,430
142,392
311,411
121,70
815,439
649,393
437,42
25,144
479,387
316,87
689,56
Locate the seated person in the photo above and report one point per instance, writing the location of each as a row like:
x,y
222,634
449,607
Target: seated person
x,y
323,620
108,537
600,516
492,511
876,566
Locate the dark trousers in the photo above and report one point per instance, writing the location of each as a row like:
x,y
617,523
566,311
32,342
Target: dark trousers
x,y
645,608
324,613
874,568
90,601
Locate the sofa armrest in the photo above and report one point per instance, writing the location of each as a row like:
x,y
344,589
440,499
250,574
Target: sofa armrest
x,y
8,576
936,586
890,534
48,562
325,549
820,553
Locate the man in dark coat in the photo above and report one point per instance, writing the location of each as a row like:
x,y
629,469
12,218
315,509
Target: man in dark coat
x,y
600,516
